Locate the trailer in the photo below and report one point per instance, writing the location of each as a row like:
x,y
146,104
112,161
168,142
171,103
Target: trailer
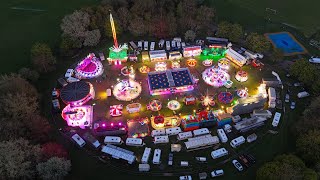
x,y
237,141
201,141
202,131
184,163
184,135
144,167
134,142
133,45
173,131
146,45
146,155
158,132
80,142
156,156
90,138
219,153
152,45
140,45
167,45
161,43
303,94
222,135
161,139
113,140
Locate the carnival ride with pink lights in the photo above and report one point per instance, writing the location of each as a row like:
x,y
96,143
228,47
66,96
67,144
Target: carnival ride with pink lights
x,y
215,76
77,93
160,122
88,68
80,116
225,97
127,90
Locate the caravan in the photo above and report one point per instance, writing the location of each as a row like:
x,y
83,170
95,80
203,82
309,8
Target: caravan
x,y
167,45
161,43
156,156
202,131
140,45
161,139
144,167
134,142
113,140
133,45
184,135
146,155
173,131
145,45
219,153
152,45
303,94
78,140
237,141
222,135
158,132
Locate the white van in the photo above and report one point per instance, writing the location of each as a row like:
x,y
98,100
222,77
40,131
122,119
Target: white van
x,y
152,45
303,94
146,155
161,43
146,45
202,131
156,156
219,153
237,141
201,159
173,44
167,45
76,138
72,79
184,163
222,135
178,44
69,73
173,131
161,139
134,142
184,135
276,119
113,140
56,104
158,132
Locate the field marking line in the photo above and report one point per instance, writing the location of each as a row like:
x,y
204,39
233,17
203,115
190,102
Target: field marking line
x,y
27,9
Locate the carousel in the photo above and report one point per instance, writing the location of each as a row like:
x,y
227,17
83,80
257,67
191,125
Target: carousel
x,y
154,105
80,116
242,76
127,90
242,93
207,62
223,63
191,62
144,69
116,110
174,105
161,66
215,76
175,64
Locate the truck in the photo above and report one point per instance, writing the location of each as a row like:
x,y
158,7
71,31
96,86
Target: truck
x,y
303,94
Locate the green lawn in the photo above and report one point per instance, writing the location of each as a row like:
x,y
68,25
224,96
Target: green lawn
x,y
299,14
21,28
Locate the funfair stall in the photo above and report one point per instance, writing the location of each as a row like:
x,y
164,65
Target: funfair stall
x,y
191,51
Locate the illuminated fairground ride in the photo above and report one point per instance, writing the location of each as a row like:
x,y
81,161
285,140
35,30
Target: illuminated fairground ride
x,y
215,76
117,54
127,90
173,105
242,93
77,93
207,62
80,116
223,63
241,76
90,67
160,66
225,97
160,122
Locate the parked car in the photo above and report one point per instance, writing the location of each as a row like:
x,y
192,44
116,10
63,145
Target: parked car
x,y
188,177
244,160
216,173
287,99
237,165
250,157
170,162
56,104
297,84
55,93
69,73
293,105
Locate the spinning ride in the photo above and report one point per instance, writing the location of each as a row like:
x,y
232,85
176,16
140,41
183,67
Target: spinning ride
x,y
90,67
174,105
144,69
223,64
80,116
154,105
241,76
127,90
215,76
207,62
242,93
225,97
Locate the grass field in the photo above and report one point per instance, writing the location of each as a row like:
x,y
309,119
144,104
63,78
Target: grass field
x,y
29,22
301,15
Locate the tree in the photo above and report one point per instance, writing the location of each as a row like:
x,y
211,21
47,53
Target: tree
x,y
13,83
190,35
75,25
18,159
29,74
124,17
186,13
68,45
234,32
305,72
285,167
204,18
277,55
42,58
223,29
54,169
257,43
308,146
53,149
172,24
92,38
137,26
38,128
